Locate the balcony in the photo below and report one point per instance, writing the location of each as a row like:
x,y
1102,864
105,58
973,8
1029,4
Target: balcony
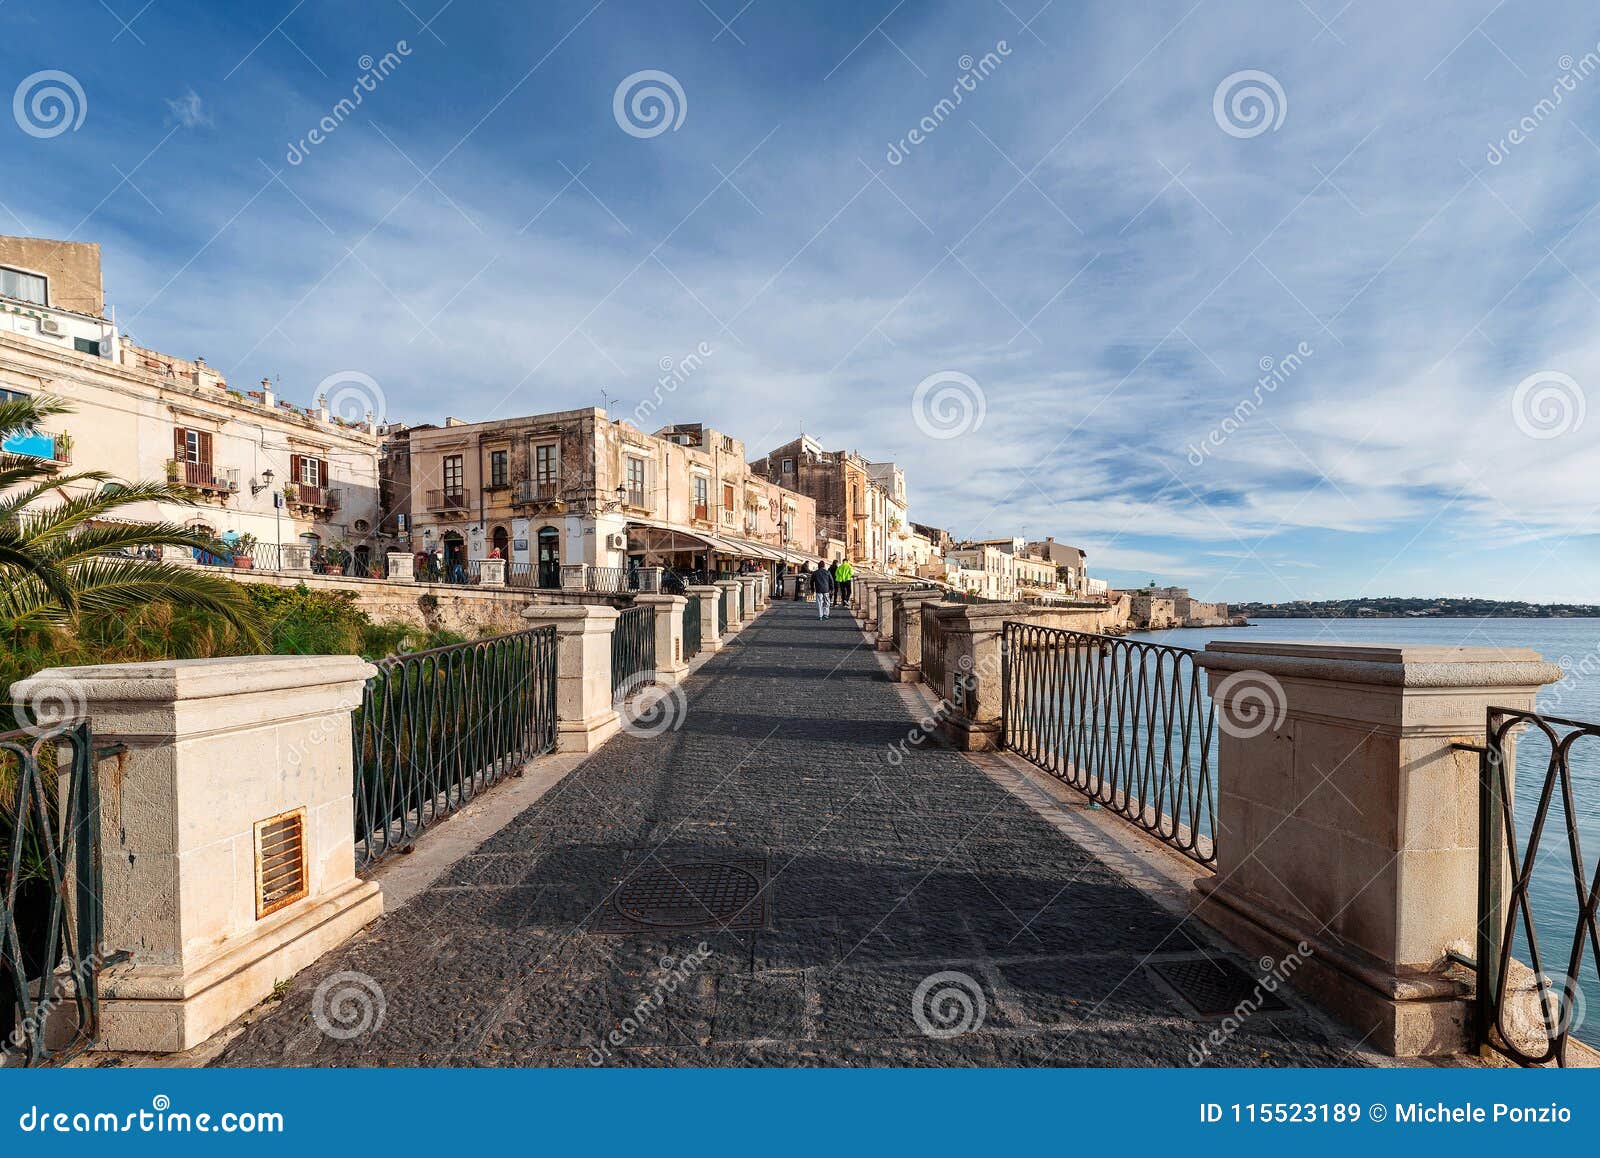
x,y
202,476
312,498
36,444
701,513
727,518
458,500
530,491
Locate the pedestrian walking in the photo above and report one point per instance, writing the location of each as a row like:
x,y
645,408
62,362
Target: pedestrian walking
x,y
842,577
822,584
800,581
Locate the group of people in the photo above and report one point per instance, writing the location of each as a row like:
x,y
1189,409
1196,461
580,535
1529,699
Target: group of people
x,y
829,582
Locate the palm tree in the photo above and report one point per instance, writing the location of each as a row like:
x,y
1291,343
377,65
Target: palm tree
x,y
60,558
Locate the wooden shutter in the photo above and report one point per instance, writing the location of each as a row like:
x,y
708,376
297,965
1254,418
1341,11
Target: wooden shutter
x,y
294,468
180,444
204,441
322,472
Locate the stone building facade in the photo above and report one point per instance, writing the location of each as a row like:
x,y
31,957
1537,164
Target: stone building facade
x,y
851,506
287,475
577,486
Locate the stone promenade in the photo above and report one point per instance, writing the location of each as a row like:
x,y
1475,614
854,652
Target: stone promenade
x,y
879,874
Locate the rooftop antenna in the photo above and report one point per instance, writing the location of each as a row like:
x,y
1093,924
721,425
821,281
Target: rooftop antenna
x,y
605,400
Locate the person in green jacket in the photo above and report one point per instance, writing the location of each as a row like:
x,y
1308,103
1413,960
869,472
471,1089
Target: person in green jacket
x,y
842,573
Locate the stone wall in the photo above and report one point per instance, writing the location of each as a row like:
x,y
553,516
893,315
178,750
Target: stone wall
x,y
1096,618
471,611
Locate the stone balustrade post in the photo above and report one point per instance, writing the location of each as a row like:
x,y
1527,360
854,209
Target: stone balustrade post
x,y
732,590
402,566
224,757
710,638
295,557
973,658
908,634
585,715
753,585
670,664
574,576
492,573
889,597
1347,826
649,580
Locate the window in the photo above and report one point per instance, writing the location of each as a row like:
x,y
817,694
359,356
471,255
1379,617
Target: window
x,y
30,287
497,468
312,471
86,346
636,482
545,464
788,466
702,499
452,474
191,446
727,497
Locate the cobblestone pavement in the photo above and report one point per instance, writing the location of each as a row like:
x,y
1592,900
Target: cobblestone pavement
x,y
881,875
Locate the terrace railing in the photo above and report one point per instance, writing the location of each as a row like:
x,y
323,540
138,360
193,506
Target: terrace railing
x,y
1538,948
933,651
693,637
633,651
611,580
435,728
50,894
1126,723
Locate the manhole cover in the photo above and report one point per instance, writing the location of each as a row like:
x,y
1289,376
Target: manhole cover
x,y
1215,986
701,895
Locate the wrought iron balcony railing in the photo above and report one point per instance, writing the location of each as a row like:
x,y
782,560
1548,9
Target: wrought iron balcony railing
x,y
450,499
533,491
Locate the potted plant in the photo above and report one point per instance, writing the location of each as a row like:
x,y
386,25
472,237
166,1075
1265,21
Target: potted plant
x,y
174,470
242,546
291,492
335,558
64,447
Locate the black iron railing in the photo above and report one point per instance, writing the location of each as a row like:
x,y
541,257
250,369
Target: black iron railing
x,y
633,651
1126,723
609,579
437,727
1533,878
933,651
693,637
50,899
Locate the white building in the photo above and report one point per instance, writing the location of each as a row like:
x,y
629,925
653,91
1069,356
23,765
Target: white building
x,y
258,466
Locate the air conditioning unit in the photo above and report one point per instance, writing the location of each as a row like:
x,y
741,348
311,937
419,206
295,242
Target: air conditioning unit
x,y
617,542
52,327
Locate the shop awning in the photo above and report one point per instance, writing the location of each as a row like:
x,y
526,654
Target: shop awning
x,y
650,535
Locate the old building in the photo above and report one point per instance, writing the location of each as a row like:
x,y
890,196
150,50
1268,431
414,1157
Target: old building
x,y
1072,566
286,476
851,506
984,569
1156,608
577,486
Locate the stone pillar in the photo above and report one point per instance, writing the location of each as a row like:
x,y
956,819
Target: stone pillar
x,y
731,590
908,639
574,576
710,639
670,664
296,557
649,580
972,671
1347,823
216,747
402,566
492,573
585,717
753,586
888,599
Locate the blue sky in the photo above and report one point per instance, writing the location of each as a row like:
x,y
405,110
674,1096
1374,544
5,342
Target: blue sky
x,y
1104,244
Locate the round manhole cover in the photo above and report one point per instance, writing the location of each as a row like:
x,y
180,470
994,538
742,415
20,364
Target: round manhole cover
x,y
688,894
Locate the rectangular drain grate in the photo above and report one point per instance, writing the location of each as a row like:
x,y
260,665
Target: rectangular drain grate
x,y
692,896
1214,986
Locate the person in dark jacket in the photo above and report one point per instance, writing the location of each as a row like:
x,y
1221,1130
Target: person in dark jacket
x,y
799,582
822,584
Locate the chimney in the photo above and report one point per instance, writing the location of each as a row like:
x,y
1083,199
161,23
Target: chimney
x,y
322,408
267,399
